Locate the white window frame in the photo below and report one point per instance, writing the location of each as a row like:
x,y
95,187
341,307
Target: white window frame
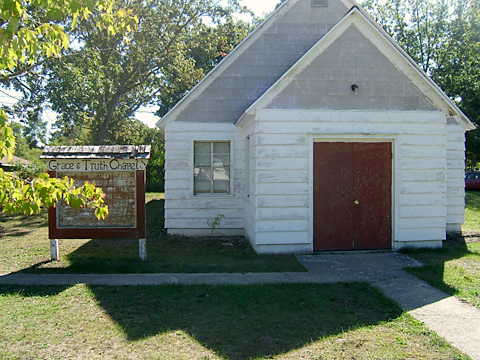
x,y
212,142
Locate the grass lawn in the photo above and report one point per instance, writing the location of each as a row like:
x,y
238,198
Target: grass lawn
x,y
455,268
25,247
296,321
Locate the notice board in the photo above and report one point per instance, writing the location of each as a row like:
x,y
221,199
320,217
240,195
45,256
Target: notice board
x,y
121,179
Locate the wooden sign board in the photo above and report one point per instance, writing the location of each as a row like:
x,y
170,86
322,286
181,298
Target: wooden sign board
x,y
122,181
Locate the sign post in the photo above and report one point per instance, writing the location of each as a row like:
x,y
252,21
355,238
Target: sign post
x,y
120,172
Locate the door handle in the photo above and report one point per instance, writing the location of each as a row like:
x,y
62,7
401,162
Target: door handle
x,y
356,202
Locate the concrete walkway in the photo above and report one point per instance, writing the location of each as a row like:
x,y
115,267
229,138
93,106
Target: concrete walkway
x,y
457,322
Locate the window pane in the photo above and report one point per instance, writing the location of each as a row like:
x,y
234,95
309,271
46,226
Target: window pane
x,y
202,187
221,160
221,147
203,160
221,186
202,147
221,174
202,173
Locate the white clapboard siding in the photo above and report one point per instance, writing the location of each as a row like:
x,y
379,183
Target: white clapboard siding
x,y
422,211
279,176
181,223
346,128
282,201
418,234
418,223
283,237
283,155
298,213
183,210
281,225
286,164
425,199
455,177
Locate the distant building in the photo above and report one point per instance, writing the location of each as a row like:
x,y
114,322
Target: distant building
x,y
7,165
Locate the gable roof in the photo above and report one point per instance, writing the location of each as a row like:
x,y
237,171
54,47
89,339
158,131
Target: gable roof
x,y
248,45
387,46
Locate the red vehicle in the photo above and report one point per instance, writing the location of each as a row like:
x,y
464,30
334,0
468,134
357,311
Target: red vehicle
x,y
472,180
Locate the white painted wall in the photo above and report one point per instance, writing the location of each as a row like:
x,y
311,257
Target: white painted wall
x,y
185,213
455,176
283,150
277,214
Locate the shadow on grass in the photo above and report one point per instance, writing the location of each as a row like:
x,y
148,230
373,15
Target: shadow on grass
x,y
241,322
166,254
433,269
19,225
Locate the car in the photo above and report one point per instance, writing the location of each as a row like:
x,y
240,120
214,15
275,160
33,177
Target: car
x,y
472,180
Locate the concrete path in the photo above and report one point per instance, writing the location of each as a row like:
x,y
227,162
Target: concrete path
x,y
457,322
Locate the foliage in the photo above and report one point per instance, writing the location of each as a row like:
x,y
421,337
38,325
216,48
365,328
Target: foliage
x,y
210,46
23,147
443,37
33,29
27,197
99,85
29,32
214,222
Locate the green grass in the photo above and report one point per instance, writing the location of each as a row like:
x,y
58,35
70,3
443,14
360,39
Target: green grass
x,y
295,321
472,213
25,247
455,268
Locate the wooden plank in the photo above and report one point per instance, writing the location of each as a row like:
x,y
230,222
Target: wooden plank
x,y
420,163
119,189
299,213
203,213
455,146
455,201
424,199
421,140
421,234
455,219
282,139
421,151
282,201
202,224
301,127
281,225
400,117
279,176
455,210
422,211
419,223
422,187
291,164
281,189
292,151
282,238
421,175
206,203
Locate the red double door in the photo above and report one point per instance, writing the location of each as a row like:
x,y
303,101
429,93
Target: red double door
x,y
352,195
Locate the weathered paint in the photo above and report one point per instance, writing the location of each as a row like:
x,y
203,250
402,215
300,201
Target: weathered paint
x,y
352,196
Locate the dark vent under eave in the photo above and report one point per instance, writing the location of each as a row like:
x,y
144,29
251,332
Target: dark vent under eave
x,y
320,3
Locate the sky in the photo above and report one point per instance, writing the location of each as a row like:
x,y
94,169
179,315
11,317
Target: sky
x,y
146,114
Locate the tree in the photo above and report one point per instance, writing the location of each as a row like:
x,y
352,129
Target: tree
x,y
443,37
101,83
29,32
